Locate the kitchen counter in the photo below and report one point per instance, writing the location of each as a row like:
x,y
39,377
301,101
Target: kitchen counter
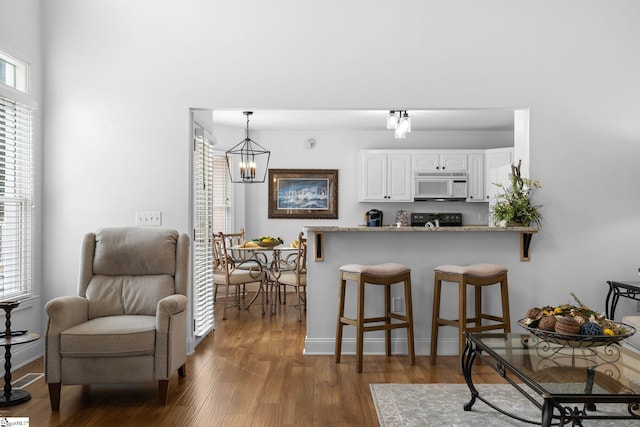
x,y
389,228
526,233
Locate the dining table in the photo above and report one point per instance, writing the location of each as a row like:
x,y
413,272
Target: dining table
x,y
270,264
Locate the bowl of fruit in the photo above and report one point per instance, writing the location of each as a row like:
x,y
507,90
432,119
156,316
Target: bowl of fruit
x,y
268,241
574,325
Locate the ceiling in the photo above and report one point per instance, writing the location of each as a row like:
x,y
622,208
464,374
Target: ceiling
x,y
367,120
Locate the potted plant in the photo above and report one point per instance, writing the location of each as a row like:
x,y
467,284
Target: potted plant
x,y
514,207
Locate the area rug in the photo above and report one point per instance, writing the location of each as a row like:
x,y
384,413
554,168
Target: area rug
x,y
412,405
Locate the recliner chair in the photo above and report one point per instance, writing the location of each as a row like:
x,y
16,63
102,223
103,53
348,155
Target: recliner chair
x,y
128,322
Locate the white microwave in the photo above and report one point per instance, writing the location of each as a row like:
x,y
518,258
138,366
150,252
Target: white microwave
x,y
439,186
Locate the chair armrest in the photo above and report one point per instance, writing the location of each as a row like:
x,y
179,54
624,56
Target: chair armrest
x,y
63,313
171,339
167,307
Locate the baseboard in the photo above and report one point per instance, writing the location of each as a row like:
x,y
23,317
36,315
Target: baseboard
x,y
325,346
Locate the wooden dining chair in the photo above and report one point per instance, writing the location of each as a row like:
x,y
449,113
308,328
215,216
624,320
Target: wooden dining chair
x,y
229,272
292,271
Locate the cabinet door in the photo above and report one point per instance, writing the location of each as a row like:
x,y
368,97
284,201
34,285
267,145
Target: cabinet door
x,y
475,178
399,177
425,161
454,162
495,161
373,175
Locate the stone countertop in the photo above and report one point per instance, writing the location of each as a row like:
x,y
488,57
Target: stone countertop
x,y
394,229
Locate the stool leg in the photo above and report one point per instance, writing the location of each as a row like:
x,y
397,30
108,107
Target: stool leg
x,y
409,319
437,284
462,312
360,325
339,325
506,316
478,305
387,319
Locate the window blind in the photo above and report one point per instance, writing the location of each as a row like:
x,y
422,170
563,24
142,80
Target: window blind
x,y
222,195
203,236
16,198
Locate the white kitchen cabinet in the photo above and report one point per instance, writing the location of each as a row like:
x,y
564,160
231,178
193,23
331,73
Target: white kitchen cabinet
x,y
438,160
497,162
476,178
385,176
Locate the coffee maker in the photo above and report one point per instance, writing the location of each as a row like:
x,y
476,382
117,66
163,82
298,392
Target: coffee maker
x,y
373,218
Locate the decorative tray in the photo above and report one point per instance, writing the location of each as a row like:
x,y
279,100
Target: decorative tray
x,y
579,340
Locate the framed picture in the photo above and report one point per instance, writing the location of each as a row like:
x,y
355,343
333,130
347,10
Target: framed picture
x,y
303,193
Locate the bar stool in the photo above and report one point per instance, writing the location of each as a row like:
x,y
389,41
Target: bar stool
x,y
476,275
381,274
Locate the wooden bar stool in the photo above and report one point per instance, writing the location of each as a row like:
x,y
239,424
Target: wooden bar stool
x,y
381,274
476,275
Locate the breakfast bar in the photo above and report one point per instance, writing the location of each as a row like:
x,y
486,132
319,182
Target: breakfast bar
x,y
421,249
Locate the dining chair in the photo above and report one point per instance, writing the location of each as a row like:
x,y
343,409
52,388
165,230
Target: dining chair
x,y
234,273
231,240
292,271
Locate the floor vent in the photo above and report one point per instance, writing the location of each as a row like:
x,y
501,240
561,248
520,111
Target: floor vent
x,y
26,380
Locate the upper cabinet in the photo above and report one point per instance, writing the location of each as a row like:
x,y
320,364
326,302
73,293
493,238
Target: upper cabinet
x,y
475,177
385,176
497,165
437,160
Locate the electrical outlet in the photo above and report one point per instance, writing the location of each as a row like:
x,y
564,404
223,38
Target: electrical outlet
x,y
397,304
148,218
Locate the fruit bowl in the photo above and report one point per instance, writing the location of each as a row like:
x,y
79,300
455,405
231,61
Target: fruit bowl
x,y
267,241
579,340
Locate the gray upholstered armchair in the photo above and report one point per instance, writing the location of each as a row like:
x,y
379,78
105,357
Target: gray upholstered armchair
x,y
128,322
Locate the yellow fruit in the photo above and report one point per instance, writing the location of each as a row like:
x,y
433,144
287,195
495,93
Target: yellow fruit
x,y
557,310
607,331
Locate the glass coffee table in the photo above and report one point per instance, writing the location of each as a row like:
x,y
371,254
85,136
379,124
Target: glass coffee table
x,y
568,384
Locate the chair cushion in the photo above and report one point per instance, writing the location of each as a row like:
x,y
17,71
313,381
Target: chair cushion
x,y
118,295
238,277
289,278
479,270
135,251
110,336
382,270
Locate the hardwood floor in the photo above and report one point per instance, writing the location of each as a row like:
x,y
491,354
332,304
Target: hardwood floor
x,y
249,372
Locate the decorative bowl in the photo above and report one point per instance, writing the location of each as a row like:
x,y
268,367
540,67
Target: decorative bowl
x,y
579,340
270,244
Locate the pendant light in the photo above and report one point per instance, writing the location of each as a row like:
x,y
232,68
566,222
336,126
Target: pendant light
x,y
247,162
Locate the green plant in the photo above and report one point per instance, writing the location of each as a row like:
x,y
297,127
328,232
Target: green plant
x,y
514,202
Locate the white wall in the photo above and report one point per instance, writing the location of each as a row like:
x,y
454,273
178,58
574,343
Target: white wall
x,y
121,77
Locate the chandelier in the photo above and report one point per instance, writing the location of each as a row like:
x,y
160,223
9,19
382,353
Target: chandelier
x,y
247,162
400,121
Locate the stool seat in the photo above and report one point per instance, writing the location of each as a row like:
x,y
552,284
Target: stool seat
x,y
386,275
380,270
478,270
476,276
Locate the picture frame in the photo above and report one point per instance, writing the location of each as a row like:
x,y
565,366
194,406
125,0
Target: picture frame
x,y
303,193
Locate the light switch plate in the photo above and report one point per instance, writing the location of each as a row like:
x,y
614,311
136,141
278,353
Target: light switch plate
x,y
148,218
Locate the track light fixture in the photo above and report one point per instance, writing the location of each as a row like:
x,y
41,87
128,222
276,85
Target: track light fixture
x,y
400,121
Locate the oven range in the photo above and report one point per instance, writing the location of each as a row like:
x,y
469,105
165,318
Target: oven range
x,y
444,219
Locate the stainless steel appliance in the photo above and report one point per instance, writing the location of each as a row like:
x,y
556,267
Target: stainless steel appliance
x,y
373,218
439,186
441,219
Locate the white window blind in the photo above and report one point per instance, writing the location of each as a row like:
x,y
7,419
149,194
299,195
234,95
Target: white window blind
x,y
222,195
16,198
203,235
